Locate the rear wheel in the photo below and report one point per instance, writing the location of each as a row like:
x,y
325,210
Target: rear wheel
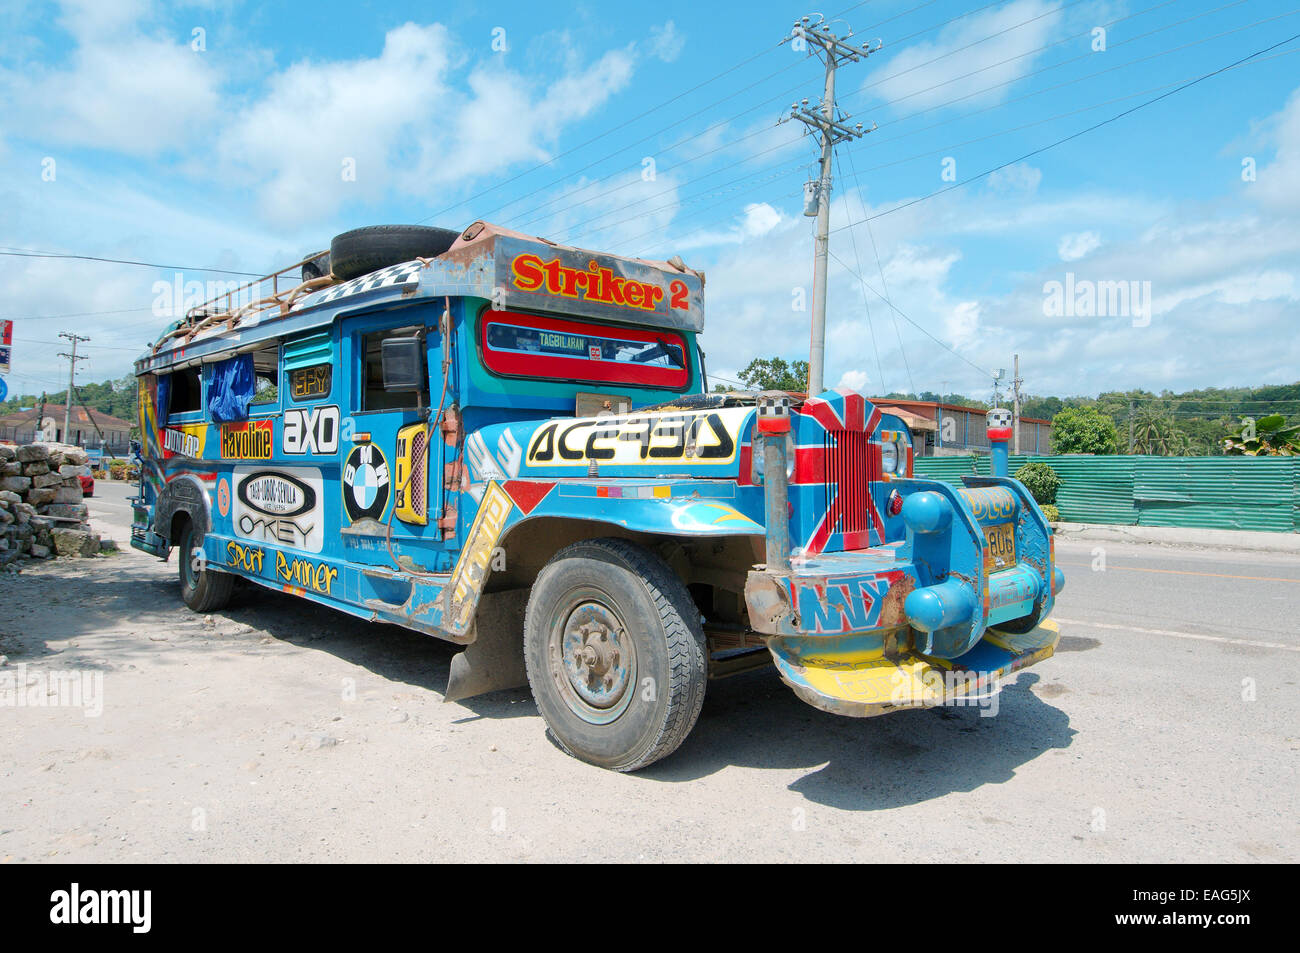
x,y
615,654
202,589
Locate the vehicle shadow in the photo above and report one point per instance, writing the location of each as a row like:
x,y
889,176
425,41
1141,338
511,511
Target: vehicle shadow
x,y
748,720
867,764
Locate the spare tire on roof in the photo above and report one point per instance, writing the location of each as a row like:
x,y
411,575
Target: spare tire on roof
x,y
317,267
363,250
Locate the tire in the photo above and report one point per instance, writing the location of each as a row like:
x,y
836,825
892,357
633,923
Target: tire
x,y
202,589
318,267
622,702
363,250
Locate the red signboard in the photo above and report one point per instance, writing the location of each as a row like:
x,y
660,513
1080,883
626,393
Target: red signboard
x,y
528,345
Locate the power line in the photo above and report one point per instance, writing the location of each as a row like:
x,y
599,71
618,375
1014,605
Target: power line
x,y
904,316
871,328
714,191
532,215
77,314
535,216
100,347
32,253
877,142
1075,135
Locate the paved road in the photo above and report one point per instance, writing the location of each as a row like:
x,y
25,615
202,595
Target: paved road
x,y
1164,730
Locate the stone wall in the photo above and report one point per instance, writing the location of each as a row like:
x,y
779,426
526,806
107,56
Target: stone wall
x,y
41,508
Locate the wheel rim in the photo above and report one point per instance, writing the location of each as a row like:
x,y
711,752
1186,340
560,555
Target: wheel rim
x,y
592,656
191,564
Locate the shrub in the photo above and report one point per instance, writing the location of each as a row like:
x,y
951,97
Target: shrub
x,y
1041,481
1051,512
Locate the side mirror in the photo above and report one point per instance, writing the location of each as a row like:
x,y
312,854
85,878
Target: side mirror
x,y
403,364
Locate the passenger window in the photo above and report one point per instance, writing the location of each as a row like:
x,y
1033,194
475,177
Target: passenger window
x,y
266,370
186,394
374,397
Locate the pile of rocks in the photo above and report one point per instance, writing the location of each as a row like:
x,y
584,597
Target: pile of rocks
x,y
41,508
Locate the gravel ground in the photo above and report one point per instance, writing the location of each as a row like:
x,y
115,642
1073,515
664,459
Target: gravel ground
x,y
281,731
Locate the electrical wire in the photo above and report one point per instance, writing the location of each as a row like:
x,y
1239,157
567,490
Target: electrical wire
x,y
1074,135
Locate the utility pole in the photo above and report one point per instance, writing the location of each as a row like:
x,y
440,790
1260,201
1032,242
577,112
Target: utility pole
x,y
815,34
72,370
1130,427
1015,403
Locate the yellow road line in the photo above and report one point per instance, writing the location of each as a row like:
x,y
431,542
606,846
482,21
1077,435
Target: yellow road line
x,y
1182,572
1179,635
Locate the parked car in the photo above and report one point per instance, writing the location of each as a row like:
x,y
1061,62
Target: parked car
x,y
87,484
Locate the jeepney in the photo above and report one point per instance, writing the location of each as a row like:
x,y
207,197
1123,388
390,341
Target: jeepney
x,y
510,444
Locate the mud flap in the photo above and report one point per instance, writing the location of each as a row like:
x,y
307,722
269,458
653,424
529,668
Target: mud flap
x,y
872,684
494,660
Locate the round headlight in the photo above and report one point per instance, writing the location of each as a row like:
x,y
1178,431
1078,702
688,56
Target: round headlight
x,y
757,462
889,457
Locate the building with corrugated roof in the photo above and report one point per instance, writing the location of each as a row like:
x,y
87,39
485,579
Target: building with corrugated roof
x,y
953,429
86,428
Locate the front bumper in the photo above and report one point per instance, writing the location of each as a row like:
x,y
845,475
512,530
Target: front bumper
x,y
856,681
928,622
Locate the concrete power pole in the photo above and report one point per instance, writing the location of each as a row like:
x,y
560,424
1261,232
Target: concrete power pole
x,y
1015,403
72,370
815,34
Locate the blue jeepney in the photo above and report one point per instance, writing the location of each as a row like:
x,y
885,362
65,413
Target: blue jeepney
x,y
510,445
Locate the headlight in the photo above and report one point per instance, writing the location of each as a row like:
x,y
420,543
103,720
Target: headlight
x,y
757,462
889,457
893,455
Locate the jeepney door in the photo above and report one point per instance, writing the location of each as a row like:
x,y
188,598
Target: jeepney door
x,y
391,457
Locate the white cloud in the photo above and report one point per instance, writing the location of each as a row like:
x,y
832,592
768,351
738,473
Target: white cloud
x,y
666,42
989,44
855,380
760,218
122,88
1077,245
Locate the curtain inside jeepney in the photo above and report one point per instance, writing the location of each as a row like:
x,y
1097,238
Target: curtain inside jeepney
x,y
231,388
164,391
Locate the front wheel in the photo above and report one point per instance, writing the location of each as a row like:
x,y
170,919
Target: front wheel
x,y
615,654
202,589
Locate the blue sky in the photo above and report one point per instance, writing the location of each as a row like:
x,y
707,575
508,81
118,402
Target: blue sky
x,y
216,134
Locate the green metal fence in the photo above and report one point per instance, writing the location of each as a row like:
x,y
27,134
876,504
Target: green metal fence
x,y
1254,493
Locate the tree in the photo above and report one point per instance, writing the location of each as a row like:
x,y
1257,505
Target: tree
x,y
1041,481
1154,433
1084,430
773,373
1267,437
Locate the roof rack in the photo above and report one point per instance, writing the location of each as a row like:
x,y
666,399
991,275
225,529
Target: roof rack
x,y
276,290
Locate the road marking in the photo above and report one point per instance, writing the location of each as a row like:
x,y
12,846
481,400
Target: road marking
x,y
1180,635
1182,572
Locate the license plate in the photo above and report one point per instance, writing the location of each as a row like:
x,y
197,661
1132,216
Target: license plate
x,y
1001,553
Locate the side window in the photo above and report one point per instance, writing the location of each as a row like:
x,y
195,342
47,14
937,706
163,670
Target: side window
x,y
186,392
266,392
373,395
310,383
522,345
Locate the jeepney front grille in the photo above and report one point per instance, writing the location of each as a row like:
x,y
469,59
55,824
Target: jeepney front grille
x,y
846,471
